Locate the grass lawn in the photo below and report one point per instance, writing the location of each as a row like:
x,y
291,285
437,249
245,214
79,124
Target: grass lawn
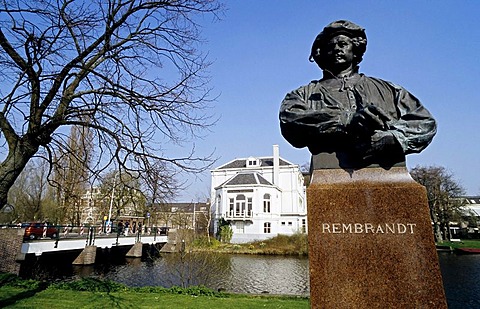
x,y
464,243
12,297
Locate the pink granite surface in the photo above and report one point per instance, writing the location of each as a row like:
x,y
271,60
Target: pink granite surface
x,y
371,242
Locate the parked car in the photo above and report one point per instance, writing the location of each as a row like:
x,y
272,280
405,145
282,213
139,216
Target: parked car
x,y
34,230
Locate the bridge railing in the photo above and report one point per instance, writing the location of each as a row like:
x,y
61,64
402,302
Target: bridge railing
x,y
89,232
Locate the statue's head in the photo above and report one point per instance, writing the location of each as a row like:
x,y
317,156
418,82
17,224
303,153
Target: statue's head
x,y
336,28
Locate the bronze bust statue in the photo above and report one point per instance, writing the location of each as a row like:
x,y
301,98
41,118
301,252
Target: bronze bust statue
x,y
361,120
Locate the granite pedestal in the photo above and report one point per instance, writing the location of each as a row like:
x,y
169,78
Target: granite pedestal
x,y
371,241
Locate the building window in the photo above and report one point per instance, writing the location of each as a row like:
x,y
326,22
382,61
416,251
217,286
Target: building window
x,y
231,205
249,207
266,203
240,205
304,225
267,226
252,162
289,223
283,223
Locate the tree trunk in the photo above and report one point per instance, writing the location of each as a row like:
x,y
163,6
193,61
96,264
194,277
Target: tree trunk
x,y
18,156
449,232
436,227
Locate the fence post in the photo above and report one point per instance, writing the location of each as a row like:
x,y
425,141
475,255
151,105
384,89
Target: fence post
x,y
91,236
57,238
118,235
138,236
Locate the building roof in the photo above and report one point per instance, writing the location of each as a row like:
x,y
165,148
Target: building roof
x,y
471,204
180,207
246,179
264,162
472,199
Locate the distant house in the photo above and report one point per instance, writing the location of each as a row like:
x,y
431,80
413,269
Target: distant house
x,y
94,205
472,205
191,216
468,225
92,202
260,197
471,209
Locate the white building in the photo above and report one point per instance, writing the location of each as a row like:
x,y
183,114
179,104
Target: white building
x,y
260,197
472,205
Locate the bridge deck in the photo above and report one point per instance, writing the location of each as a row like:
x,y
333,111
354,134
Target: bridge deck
x,y
40,246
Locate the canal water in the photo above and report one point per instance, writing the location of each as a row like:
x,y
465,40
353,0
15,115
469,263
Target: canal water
x,y
238,273
461,279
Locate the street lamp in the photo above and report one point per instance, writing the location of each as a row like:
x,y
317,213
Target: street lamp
x,y
111,201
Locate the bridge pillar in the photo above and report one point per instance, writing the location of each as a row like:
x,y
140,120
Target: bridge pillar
x,y
10,249
136,250
87,256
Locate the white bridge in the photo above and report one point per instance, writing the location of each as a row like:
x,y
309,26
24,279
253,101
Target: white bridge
x,y
52,245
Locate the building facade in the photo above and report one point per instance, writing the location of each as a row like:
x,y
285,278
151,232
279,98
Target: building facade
x,y
94,205
92,202
259,197
187,216
469,226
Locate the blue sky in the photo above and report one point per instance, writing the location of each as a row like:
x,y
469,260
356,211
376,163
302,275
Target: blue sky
x,y
260,52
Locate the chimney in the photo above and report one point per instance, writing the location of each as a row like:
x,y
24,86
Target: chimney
x,y
276,164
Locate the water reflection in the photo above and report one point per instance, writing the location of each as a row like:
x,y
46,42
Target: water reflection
x,y
461,277
272,274
235,273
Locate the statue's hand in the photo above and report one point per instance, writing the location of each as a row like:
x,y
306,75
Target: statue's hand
x,y
367,120
381,143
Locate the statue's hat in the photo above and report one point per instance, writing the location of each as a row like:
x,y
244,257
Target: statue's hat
x,y
345,27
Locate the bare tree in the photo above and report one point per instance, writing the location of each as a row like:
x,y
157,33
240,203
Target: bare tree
x,y
181,218
71,172
129,70
51,208
203,221
442,192
123,191
29,194
204,215
162,214
160,183
189,268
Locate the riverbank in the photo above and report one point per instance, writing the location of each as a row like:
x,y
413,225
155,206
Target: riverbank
x,y
296,244
94,293
460,245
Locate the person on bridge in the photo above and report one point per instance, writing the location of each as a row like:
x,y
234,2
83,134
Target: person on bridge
x,y
120,227
127,224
